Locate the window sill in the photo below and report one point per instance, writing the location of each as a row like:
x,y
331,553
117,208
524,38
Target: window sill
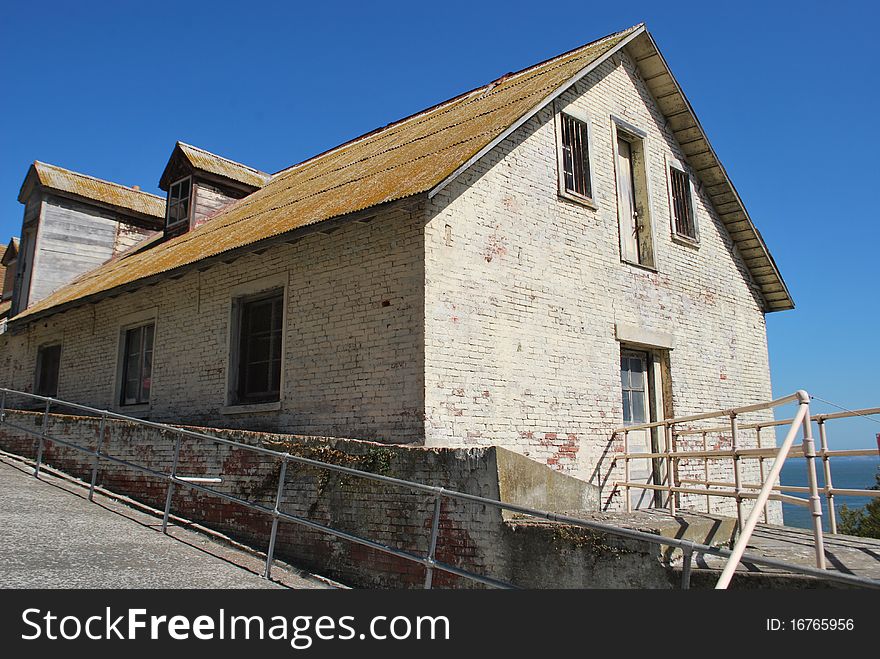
x,y
137,411
578,199
684,240
640,266
248,408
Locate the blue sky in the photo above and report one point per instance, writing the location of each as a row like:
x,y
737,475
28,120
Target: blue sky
x,y
788,94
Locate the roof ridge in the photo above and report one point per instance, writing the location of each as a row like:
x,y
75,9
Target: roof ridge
x,y
229,160
99,180
482,88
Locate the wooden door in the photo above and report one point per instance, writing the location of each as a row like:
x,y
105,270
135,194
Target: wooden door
x,y
626,202
636,391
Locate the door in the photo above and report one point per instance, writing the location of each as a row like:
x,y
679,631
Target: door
x,y
626,202
636,390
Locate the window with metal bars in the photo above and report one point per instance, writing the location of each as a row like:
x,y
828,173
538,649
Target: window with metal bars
x,y
137,365
259,348
575,156
682,206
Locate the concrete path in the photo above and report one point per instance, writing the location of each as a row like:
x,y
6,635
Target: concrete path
x,y
51,536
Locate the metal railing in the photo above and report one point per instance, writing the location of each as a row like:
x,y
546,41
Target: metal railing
x,y
760,494
688,548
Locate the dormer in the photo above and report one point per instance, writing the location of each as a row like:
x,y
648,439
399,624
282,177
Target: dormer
x,y
8,264
199,184
72,224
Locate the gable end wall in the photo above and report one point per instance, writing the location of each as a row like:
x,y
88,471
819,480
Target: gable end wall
x,y
524,291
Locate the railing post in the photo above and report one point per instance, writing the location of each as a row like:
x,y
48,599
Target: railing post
x,y
432,547
626,470
737,476
270,555
829,486
171,477
766,488
42,438
706,474
670,478
815,501
761,470
98,445
687,554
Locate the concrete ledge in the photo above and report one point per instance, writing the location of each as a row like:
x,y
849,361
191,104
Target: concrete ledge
x,y
639,335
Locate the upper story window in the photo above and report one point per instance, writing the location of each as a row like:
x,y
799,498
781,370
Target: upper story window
x,y
681,205
573,135
179,201
48,367
633,202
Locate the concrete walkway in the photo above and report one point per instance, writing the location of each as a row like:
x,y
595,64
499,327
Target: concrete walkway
x,y
51,536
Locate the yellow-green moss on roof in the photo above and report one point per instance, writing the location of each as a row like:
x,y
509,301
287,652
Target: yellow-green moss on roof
x,y
403,159
89,187
209,162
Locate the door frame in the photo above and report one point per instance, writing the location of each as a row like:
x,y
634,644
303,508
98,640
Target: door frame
x,y
659,406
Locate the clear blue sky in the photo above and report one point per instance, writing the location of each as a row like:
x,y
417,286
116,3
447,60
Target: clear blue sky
x,y
788,94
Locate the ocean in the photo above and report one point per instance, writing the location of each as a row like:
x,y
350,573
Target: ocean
x,y
855,472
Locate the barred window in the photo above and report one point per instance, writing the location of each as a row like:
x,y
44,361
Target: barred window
x,y
575,156
682,206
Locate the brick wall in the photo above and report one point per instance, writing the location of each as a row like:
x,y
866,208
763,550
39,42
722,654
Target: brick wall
x,y
524,290
400,518
352,343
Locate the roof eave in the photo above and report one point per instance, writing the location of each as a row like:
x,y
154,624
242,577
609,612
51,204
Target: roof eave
x,y
785,302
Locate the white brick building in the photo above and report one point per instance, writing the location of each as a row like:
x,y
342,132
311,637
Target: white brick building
x,y
478,273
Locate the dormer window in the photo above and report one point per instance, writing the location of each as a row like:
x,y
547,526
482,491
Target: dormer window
x,y
178,202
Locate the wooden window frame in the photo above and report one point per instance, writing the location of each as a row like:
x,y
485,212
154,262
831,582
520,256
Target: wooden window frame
x,y
240,296
140,399
38,379
578,115
638,138
694,241
184,220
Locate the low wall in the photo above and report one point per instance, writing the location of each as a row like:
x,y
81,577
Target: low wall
x,y
472,536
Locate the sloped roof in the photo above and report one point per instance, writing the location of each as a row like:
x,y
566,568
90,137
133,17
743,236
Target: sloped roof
x,y
11,251
403,159
89,187
214,164
683,122
412,156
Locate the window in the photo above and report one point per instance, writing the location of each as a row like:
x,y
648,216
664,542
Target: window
x,y
48,365
178,202
633,205
575,161
681,204
260,329
137,365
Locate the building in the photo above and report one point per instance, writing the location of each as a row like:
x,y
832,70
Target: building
x,y
8,269
531,264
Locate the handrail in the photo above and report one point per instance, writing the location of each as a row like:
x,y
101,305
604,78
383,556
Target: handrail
x,y
746,531
430,563
768,490
745,409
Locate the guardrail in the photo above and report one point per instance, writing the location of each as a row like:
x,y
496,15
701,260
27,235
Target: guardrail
x,y
689,549
768,489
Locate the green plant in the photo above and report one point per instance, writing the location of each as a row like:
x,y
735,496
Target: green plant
x,y
864,521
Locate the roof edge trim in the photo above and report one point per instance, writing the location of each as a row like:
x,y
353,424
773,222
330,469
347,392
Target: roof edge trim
x,y
561,89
